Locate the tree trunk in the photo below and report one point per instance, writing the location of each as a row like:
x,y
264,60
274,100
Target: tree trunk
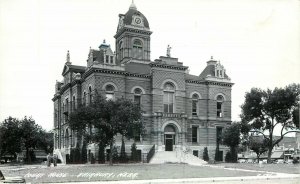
x,y
110,153
28,156
270,147
258,155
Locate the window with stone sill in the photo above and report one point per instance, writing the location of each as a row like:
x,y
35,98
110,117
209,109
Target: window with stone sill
x,y
168,98
137,49
194,134
137,96
110,92
90,95
195,99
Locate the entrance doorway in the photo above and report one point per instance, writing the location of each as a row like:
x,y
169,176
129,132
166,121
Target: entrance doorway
x,y
169,141
169,137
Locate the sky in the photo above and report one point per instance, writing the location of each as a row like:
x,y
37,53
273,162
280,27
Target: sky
x,y
257,41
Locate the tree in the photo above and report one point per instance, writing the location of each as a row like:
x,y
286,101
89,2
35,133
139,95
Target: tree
x,y
264,110
109,118
231,138
258,145
205,154
10,137
31,136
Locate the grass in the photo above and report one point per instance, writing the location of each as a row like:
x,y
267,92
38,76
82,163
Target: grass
x,y
71,173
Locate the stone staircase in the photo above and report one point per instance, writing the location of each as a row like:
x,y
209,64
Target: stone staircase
x,y
177,156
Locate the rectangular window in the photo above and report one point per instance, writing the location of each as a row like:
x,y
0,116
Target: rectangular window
x,y
137,100
194,107
194,134
219,109
107,59
168,102
111,59
67,105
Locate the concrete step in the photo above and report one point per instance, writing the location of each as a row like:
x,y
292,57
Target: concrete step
x,y
177,156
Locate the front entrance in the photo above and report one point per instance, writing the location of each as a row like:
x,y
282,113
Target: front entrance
x,y
169,141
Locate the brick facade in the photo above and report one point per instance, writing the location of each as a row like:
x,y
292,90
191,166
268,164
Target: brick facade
x,y
167,97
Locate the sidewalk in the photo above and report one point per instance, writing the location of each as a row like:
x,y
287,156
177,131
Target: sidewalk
x,y
283,177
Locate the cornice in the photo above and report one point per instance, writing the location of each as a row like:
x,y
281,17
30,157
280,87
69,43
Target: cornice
x,y
210,83
183,68
133,30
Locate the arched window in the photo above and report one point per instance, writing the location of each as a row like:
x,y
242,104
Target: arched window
x,y
137,96
90,95
137,49
168,98
220,100
195,98
109,92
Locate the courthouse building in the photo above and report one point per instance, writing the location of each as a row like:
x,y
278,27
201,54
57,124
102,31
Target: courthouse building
x,y
180,110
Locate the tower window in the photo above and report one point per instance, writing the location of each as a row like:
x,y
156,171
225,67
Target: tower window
x,y
220,101
137,49
110,92
168,98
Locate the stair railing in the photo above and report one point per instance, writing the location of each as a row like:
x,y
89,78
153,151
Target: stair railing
x,y
150,153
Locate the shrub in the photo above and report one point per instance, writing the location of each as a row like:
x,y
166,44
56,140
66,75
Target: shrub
x,y
115,154
93,161
231,157
134,154
84,153
295,161
123,156
205,154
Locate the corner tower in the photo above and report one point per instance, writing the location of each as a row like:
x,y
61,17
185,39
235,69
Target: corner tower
x,y
132,37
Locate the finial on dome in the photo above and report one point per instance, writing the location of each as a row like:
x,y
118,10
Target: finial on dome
x,y
132,6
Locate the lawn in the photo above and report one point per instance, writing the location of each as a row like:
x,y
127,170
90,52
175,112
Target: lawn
x,y
64,173
280,168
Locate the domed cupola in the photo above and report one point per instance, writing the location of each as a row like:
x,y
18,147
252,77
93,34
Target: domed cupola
x,y
133,36
133,18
